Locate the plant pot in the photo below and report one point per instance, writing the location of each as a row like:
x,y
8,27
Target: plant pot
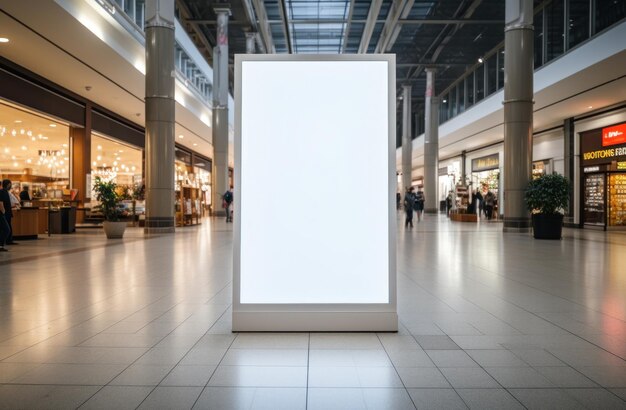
x,y
547,226
114,230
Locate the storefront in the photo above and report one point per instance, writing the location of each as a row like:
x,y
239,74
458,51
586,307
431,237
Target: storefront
x,y
543,167
193,186
603,184
449,176
34,153
486,174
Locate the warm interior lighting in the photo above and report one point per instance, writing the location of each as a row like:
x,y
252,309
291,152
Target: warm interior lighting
x,y
4,40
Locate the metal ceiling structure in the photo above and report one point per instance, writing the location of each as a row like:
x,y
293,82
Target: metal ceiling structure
x,y
449,35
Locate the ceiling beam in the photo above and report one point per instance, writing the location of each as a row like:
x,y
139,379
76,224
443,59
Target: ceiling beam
x,y
252,21
346,30
264,27
401,21
285,23
391,29
199,36
372,17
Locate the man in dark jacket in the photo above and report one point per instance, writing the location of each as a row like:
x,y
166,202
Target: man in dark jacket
x,y
227,200
6,235
409,203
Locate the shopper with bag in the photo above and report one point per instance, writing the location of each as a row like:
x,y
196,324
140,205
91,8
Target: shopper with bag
x,y
227,200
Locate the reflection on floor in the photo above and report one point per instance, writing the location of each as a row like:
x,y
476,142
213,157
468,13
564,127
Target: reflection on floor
x,y
487,321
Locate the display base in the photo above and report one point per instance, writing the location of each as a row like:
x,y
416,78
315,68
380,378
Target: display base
x,y
463,217
315,322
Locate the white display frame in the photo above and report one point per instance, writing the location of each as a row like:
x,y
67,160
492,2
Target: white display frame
x,y
316,316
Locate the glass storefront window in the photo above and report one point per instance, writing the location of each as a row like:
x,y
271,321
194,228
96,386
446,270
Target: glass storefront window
x,y
500,69
539,35
479,80
443,110
491,74
609,12
469,82
578,22
554,14
461,93
453,100
34,151
114,161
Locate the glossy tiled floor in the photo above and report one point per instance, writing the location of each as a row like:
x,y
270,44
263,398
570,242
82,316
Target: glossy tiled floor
x,y
487,321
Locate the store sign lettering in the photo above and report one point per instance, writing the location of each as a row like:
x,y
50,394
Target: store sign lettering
x,y
604,153
486,163
621,166
592,169
614,135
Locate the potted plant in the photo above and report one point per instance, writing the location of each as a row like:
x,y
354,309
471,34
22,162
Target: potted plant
x,y
546,197
106,194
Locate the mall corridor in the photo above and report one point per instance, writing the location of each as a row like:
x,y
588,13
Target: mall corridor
x,y
488,320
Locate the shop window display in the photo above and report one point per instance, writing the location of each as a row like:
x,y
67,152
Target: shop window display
x,y
122,164
617,200
34,151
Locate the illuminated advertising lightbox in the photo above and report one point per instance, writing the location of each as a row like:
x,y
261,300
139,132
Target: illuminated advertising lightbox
x,y
314,193
614,135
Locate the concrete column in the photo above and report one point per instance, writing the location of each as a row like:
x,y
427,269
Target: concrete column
x,y
407,141
220,112
250,43
160,116
518,112
431,145
569,151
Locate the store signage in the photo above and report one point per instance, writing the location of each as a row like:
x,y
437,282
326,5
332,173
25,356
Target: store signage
x,y
614,135
621,166
592,169
486,163
443,172
608,153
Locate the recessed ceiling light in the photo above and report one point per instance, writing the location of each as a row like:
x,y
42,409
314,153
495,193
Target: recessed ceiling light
x,y
4,40
480,60
53,125
590,107
195,145
181,136
18,121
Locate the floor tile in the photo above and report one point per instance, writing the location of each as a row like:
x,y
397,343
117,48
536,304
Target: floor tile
x,y
259,376
44,396
410,358
117,397
493,358
565,377
171,398
468,378
422,377
71,374
271,341
265,357
597,399
489,399
349,358
546,399
193,376
519,377
538,357
435,399
451,358
345,341
142,375
605,376
436,342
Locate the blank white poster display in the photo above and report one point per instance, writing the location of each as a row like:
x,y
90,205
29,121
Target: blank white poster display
x,y
314,193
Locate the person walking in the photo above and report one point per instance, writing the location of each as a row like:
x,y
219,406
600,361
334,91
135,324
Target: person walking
x,y
479,198
5,212
419,204
490,200
409,203
227,200
5,197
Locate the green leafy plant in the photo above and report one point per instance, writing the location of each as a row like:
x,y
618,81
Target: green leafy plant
x,y
106,194
548,194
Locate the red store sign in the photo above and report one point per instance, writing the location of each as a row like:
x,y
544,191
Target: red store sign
x,y
614,135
